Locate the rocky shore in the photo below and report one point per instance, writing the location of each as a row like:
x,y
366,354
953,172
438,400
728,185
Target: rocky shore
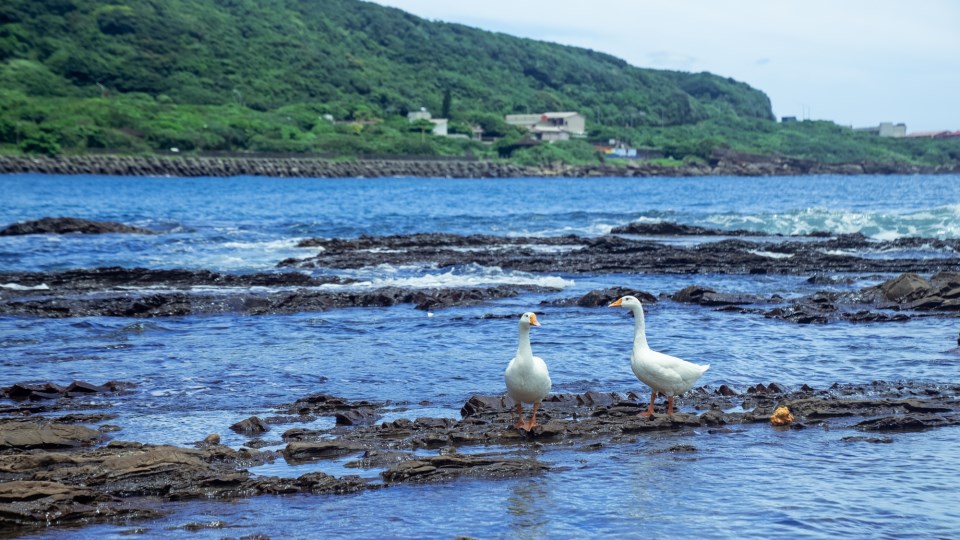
x,y
57,471
923,287
730,164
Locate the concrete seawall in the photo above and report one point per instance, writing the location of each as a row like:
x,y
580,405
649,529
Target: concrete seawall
x,y
323,168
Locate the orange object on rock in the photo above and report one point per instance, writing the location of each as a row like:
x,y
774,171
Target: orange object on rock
x,y
781,417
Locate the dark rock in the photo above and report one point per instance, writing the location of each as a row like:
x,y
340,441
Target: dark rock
x,y
81,387
67,225
872,440
198,526
27,502
704,296
905,288
356,417
725,390
909,422
603,298
34,392
380,458
299,452
250,426
454,466
820,279
614,254
322,483
666,228
477,405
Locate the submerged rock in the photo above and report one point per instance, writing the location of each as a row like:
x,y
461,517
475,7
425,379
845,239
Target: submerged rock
x,y
666,228
69,225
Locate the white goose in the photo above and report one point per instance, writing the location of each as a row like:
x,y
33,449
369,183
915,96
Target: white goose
x,y
661,372
527,378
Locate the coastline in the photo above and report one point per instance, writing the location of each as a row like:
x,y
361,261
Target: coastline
x,y
729,165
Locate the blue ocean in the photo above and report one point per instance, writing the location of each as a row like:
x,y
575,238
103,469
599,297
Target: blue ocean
x,y
197,375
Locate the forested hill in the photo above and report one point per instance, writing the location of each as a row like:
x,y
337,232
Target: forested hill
x,y
352,58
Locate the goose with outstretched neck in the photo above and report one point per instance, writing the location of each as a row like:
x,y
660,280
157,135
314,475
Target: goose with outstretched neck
x,y
661,372
527,378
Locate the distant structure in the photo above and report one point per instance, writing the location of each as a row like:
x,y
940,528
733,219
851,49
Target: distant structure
x,y
886,129
439,124
551,126
787,119
619,150
935,134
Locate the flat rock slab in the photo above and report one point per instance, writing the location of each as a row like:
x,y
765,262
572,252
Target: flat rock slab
x,y
115,303
447,467
27,435
25,504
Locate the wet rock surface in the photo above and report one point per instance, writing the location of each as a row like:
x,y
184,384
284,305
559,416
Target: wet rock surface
x,y
119,292
143,293
50,474
115,278
665,228
69,225
614,254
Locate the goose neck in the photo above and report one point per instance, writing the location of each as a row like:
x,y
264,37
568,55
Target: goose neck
x,y
523,348
639,328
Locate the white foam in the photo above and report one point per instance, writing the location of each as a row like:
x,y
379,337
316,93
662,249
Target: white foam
x,y
940,222
268,245
18,287
770,254
473,275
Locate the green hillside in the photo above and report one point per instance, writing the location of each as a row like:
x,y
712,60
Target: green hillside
x,y
259,75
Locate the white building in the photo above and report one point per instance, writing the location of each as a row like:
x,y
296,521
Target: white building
x,y
551,126
439,124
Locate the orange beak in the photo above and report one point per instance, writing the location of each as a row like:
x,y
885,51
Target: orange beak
x,y
533,319
616,303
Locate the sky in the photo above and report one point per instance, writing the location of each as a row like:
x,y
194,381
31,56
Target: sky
x,y
854,62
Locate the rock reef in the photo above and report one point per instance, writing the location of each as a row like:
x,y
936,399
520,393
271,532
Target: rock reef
x,y
69,225
53,473
616,254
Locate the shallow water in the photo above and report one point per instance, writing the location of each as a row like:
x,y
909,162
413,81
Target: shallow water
x,y
198,375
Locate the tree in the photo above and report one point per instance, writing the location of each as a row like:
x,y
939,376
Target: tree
x,y
445,109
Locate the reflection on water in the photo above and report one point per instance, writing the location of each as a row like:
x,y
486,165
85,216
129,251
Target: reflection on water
x,y
528,507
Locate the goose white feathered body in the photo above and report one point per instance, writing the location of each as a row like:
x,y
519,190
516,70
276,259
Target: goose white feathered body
x,y
664,373
661,372
527,378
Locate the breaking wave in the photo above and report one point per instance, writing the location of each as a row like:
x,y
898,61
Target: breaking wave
x,y
941,222
472,275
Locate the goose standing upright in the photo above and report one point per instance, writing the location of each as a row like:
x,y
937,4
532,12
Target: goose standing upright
x,y
527,378
661,372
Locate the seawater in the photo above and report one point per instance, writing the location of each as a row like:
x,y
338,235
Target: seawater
x,y
198,375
